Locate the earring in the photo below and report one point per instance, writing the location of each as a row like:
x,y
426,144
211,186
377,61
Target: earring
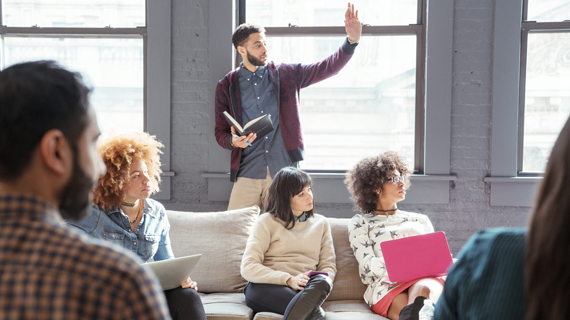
x,y
378,192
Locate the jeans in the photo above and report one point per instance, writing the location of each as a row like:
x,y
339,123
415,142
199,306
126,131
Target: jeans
x,y
185,303
292,304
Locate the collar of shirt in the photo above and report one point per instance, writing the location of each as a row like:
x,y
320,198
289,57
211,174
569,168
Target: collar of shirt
x,y
301,218
248,75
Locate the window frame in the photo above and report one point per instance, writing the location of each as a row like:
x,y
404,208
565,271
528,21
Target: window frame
x,y
526,28
508,185
156,62
418,29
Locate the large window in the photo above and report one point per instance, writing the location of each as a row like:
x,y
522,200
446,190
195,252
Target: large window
x,y
375,103
104,41
545,80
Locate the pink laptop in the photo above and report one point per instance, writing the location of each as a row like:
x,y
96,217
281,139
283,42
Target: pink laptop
x,y
416,257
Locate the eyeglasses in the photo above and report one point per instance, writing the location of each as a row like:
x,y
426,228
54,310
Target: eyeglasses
x,y
396,179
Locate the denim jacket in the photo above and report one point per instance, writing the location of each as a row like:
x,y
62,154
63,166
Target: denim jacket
x,y
149,241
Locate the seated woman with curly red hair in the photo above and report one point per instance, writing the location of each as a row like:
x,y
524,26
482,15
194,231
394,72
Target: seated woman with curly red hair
x,y
376,185
125,215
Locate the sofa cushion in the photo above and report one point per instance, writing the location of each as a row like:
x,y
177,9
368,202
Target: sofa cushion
x,y
226,306
267,316
347,284
220,237
336,310
350,309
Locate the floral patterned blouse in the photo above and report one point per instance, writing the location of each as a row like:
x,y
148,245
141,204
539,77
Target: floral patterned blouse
x,y
366,231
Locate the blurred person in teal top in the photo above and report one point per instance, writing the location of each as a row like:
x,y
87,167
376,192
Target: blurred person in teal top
x,y
124,214
515,273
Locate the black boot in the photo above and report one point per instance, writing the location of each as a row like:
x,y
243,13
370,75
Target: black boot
x,y
411,311
306,305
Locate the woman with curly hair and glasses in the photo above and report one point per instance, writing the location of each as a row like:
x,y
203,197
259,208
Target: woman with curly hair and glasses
x,y
125,215
376,185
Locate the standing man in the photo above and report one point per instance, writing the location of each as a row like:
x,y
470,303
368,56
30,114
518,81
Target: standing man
x,y
48,165
259,87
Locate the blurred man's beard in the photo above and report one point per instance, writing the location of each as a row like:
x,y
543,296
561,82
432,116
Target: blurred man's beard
x,y
255,61
76,196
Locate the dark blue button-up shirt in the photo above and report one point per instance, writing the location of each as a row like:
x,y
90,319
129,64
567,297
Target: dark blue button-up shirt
x,y
259,98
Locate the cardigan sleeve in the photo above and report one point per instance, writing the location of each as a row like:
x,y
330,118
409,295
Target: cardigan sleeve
x,y
222,103
312,73
252,268
327,258
370,266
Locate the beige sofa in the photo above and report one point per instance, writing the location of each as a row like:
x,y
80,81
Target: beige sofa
x,y
221,237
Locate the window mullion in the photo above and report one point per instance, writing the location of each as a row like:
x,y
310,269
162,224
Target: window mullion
x,y
522,93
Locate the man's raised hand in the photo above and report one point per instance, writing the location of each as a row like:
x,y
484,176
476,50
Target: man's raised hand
x,y
352,24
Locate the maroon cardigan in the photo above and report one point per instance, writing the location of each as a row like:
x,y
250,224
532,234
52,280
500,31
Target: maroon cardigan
x,y
288,80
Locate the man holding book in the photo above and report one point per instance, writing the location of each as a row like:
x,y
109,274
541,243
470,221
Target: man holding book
x,y
259,87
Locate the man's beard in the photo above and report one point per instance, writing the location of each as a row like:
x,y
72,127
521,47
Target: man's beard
x,y
255,61
76,196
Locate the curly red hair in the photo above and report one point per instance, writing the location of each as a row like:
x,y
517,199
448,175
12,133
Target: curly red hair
x,y
119,150
369,175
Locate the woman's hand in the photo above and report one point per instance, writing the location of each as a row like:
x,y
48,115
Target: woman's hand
x,y
189,284
299,281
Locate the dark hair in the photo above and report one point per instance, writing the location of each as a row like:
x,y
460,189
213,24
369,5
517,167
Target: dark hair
x,y
243,31
288,182
36,97
369,175
546,265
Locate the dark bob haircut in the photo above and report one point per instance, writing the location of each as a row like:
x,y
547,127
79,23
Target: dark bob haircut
x,y
242,32
288,182
36,97
369,175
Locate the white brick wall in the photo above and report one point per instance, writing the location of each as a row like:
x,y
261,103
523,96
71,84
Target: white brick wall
x,y
469,208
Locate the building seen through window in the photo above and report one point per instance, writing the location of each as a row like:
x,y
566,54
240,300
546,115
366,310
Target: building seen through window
x,y
113,65
370,106
546,81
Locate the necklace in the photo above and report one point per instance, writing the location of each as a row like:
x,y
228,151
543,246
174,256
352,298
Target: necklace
x,y
390,210
138,213
129,204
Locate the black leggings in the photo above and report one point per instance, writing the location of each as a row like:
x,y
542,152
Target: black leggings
x,y
185,303
293,304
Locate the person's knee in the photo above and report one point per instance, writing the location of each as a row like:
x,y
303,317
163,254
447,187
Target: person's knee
x,y
321,283
192,294
184,294
424,290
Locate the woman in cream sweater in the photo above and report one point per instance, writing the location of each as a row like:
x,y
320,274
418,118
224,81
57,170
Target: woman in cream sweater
x,y
285,244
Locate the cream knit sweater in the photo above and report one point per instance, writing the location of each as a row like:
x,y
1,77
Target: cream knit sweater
x,y
273,253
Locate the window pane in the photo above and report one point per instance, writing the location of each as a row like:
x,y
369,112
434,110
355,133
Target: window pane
x,y
548,10
368,108
74,13
113,67
547,96
279,13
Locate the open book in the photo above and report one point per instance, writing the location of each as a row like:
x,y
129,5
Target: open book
x,y
260,126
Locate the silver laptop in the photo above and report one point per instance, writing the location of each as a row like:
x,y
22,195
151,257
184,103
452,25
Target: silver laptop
x,y
172,272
